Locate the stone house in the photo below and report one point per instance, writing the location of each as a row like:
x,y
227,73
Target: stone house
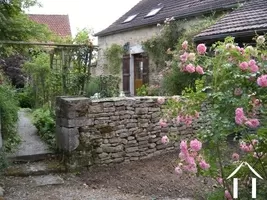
x,y
140,24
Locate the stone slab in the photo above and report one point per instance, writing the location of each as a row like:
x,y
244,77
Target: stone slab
x,y
48,180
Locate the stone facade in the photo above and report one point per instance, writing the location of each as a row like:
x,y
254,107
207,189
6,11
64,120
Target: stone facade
x,y
112,130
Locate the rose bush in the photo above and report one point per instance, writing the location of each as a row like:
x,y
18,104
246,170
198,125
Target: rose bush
x,y
233,86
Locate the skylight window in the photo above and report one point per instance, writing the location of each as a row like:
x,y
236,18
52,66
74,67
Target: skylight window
x,y
153,12
130,18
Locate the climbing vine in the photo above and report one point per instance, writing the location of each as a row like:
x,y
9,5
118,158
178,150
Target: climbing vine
x,y
114,56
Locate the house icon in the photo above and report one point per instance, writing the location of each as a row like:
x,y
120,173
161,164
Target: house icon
x,y
235,181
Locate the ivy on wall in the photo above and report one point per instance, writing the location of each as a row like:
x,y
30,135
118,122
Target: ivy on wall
x,y
114,58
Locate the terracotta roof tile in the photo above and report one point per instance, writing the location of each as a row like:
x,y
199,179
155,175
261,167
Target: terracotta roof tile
x,y
59,24
252,16
171,8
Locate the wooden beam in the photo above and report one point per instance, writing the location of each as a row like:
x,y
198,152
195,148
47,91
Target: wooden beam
x,y
45,44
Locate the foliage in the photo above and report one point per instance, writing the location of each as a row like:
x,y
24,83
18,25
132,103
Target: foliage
x,y
93,86
233,85
12,68
114,56
109,86
44,120
9,116
142,91
25,97
16,26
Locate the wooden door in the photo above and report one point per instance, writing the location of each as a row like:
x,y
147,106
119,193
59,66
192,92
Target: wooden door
x,y
126,74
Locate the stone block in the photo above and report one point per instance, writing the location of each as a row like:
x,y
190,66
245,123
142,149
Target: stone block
x,y
67,138
76,122
110,149
131,149
140,111
114,140
133,154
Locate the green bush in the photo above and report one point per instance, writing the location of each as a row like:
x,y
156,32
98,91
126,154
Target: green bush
x,y
174,82
9,116
25,98
44,120
142,91
92,87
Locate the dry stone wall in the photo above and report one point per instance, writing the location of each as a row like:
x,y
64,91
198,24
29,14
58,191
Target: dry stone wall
x,y
112,130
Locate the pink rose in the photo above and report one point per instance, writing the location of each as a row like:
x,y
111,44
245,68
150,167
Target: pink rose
x,y
227,195
190,68
201,49
251,62
163,123
235,157
203,165
243,66
184,57
262,81
183,145
253,123
165,139
195,145
185,45
254,68
199,70
190,160
239,112
220,180
178,170
161,100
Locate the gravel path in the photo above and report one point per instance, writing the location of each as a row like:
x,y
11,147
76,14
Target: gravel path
x,y
24,188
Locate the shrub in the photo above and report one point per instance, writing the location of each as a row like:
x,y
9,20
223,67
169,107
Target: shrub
x,y
142,91
25,98
44,120
92,87
9,116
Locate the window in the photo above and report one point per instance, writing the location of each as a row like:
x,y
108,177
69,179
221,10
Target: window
x,y
153,12
130,18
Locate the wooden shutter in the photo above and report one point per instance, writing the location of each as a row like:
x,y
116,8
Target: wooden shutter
x,y
145,70
126,74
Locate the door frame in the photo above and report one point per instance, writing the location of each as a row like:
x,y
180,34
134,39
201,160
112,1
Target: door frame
x,y
136,49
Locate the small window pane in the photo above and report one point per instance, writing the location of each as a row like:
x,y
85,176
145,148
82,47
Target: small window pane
x,y
130,18
153,12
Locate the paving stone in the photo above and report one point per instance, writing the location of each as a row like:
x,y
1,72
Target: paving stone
x,y
48,180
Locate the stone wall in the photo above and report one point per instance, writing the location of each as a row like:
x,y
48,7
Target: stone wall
x,y
112,130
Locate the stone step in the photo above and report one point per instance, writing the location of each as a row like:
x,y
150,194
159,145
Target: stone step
x,y
44,167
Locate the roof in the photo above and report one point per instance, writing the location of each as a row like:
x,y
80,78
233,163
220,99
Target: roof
x,y
171,8
58,24
251,17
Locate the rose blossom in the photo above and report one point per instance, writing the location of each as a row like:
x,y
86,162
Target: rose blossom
x,y
261,39
220,180
178,170
199,70
161,100
201,49
183,145
165,139
253,123
243,66
254,68
227,195
192,56
235,157
190,68
262,81
203,165
185,45
195,145
184,57
163,123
